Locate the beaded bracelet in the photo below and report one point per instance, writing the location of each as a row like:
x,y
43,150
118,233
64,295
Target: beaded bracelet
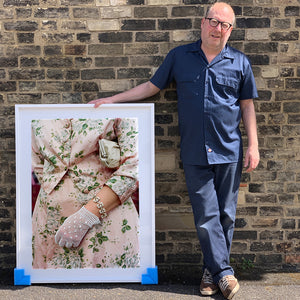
x,y
100,205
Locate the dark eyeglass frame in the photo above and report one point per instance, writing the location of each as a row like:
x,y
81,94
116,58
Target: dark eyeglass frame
x,y
217,22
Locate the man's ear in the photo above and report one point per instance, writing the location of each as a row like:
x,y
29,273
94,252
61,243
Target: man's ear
x,y
202,21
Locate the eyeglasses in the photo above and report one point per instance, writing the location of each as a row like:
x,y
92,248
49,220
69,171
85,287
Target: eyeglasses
x,y
214,23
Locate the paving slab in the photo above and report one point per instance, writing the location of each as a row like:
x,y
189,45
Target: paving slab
x,y
280,286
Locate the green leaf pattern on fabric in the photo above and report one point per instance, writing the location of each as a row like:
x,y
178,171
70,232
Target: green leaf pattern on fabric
x,y
65,159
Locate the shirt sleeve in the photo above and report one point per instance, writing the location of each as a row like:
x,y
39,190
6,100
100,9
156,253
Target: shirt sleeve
x,y
248,89
164,74
124,181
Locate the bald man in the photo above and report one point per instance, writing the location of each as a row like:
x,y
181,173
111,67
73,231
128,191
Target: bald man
x,y
215,89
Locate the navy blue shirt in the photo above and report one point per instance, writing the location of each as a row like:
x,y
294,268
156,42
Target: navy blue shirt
x,y
209,96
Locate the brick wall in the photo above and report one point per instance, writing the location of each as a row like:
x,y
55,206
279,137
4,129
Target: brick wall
x,y
72,51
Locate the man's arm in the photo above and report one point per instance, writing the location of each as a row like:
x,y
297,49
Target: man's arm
x,y
249,120
139,92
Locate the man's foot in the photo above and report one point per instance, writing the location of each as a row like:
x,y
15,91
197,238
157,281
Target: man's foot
x,y
207,286
229,286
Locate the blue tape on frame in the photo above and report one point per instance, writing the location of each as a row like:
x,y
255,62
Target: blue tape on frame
x,y
20,278
151,277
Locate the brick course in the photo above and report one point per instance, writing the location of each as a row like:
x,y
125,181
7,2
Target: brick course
x,y
75,51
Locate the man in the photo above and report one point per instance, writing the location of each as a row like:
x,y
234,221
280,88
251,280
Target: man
x,y
215,88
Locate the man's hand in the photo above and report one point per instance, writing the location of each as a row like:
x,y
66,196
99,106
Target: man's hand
x,y
101,101
251,159
249,120
75,227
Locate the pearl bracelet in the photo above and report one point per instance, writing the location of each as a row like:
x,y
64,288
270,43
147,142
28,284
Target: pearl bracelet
x,y
100,205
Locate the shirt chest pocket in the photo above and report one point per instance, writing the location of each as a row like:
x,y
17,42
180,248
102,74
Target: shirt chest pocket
x,y
228,82
189,86
227,88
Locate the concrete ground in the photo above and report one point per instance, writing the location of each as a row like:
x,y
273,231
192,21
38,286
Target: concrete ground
x,y
282,286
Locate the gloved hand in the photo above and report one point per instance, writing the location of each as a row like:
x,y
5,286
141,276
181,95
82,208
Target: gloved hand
x,y
75,227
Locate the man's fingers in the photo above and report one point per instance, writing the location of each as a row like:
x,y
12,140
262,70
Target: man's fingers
x,y
97,104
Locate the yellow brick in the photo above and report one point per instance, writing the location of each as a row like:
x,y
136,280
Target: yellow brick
x,y
257,35
269,72
140,48
286,2
260,83
174,221
165,161
163,2
183,35
116,12
115,85
99,25
102,3
118,2
241,198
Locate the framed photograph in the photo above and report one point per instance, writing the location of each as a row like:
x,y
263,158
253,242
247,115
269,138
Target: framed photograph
x,y
65,154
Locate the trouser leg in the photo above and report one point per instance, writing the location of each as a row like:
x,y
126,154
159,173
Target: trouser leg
x,y
213,192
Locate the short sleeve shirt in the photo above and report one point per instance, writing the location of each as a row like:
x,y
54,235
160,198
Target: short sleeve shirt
x,y
209,96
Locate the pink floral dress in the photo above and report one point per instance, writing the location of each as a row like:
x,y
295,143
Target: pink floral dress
x,y
65,158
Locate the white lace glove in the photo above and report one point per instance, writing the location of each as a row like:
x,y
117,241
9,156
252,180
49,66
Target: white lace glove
x,y
75,227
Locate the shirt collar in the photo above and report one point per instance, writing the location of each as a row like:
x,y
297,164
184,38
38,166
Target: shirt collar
x,y
225,53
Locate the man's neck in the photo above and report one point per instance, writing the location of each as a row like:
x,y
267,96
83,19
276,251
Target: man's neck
x,y
209,53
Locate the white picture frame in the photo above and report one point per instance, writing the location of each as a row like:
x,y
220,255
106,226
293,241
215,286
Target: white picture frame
x,y
146,273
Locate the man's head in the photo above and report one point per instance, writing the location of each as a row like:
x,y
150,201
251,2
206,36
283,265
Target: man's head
x,y
216,27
